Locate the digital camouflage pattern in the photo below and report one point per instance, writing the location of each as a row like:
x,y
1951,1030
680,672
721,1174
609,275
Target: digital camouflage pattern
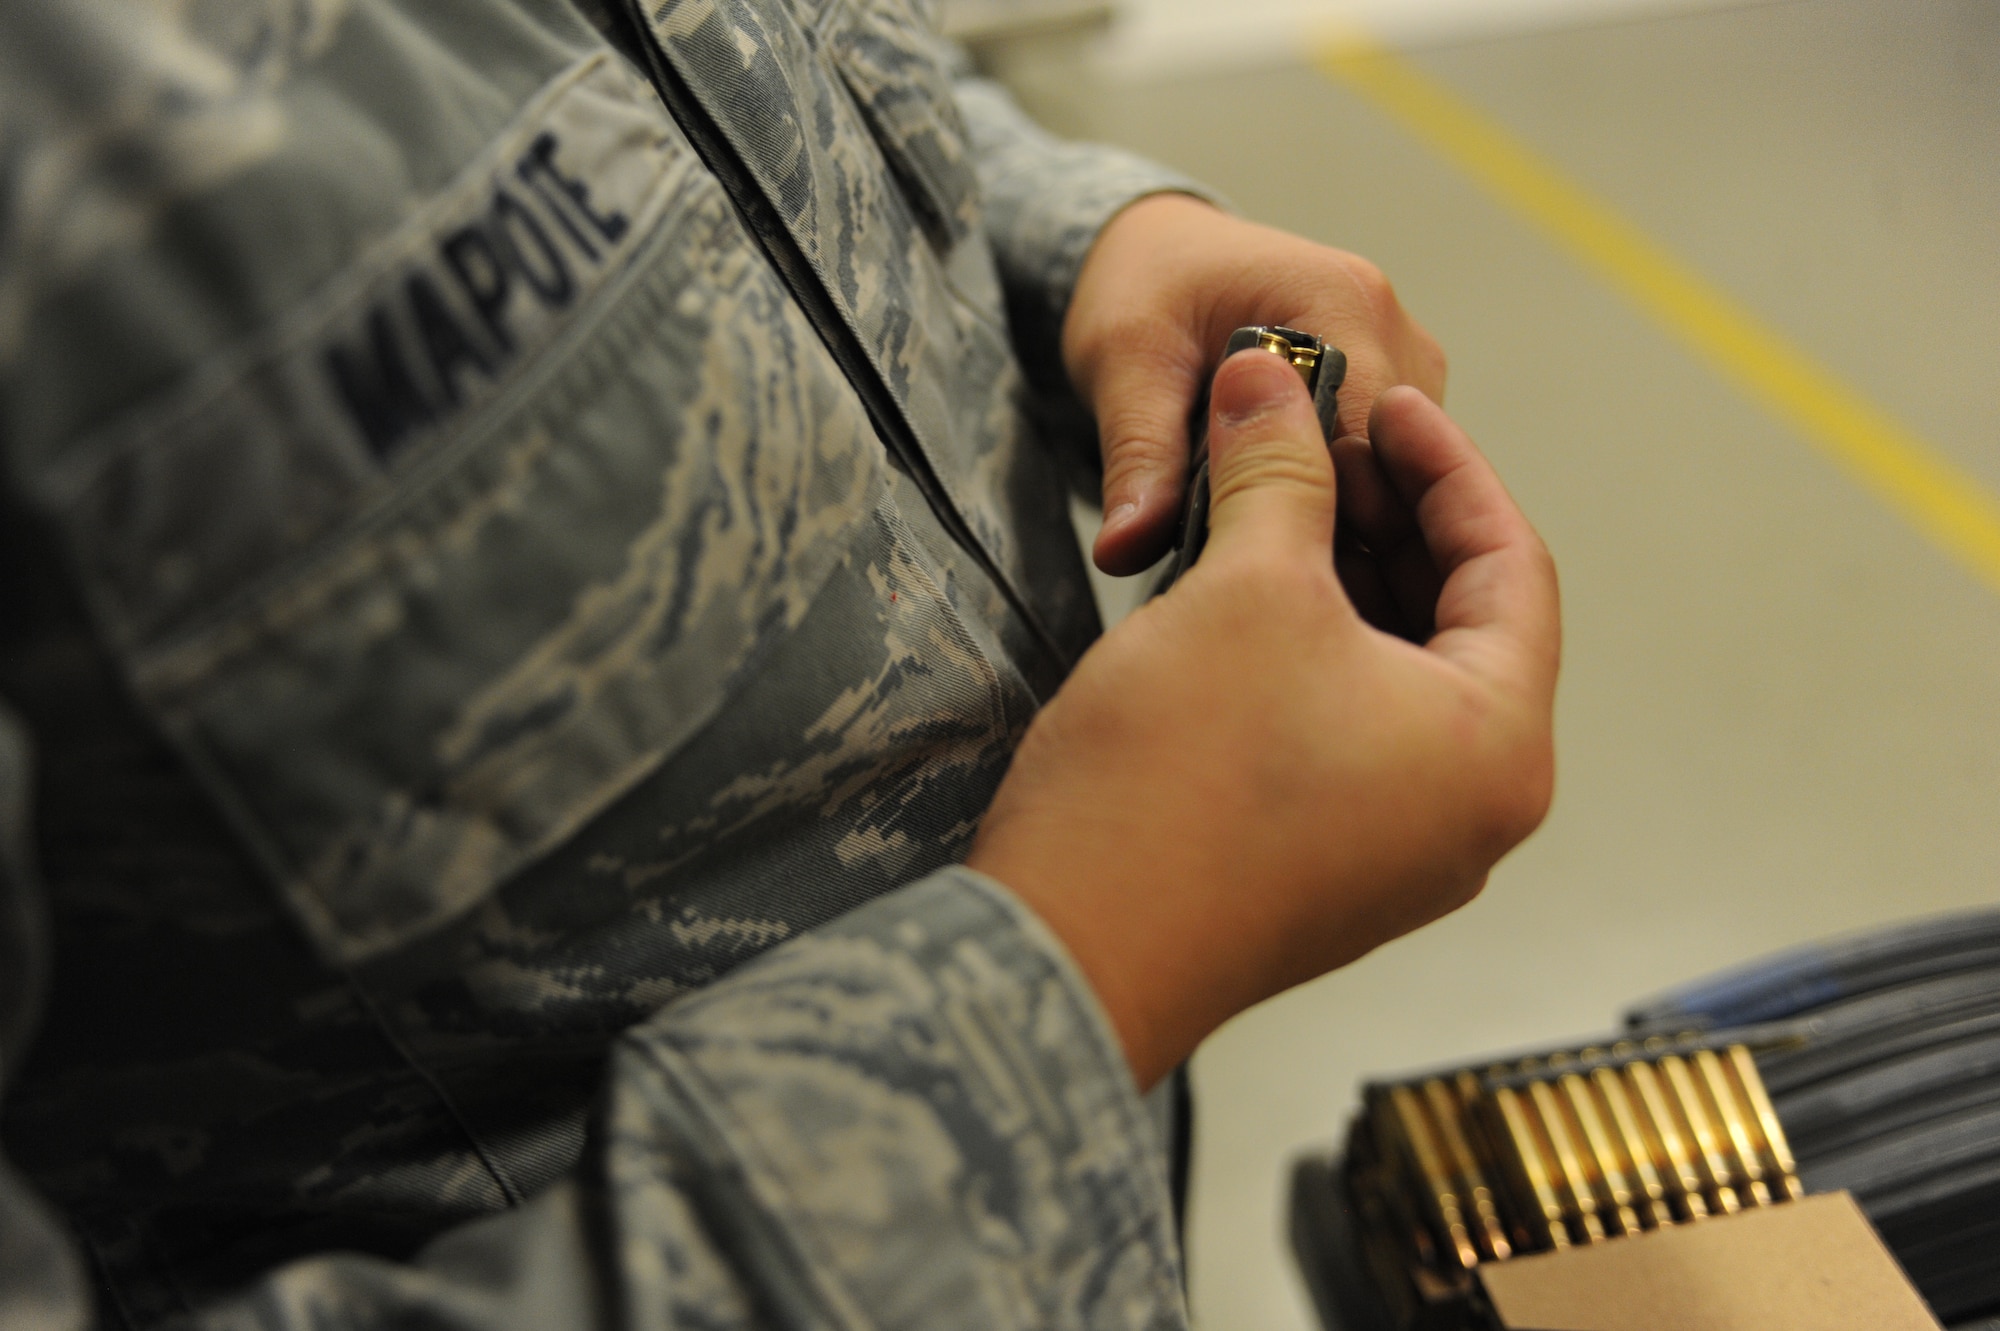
x,y
457,607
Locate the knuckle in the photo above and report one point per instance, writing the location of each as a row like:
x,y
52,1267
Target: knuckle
x,y
1506,768
1541,566
1464,891
1543,558
1431,358
1261,466
1373,285
1518,793
1137,463
1140,446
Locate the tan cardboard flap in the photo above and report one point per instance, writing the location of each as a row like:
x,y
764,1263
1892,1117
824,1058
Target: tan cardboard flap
x,y
1811,1265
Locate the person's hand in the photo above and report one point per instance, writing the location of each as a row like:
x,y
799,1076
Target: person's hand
x,y
1163,286
1245,784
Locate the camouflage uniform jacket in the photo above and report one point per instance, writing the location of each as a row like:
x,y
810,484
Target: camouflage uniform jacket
x,y
527,545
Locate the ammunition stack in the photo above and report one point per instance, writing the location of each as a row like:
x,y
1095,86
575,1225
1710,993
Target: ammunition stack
x,y
1876,1072
1460,1168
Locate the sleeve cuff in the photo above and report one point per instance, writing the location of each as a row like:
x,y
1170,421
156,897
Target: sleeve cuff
x,y
920,1116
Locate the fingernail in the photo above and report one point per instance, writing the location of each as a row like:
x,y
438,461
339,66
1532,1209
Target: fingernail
x,y
1119,516
1250,389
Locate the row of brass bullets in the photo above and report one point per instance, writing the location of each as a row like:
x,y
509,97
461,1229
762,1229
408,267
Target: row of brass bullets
x,y
1578,1148
1651,1136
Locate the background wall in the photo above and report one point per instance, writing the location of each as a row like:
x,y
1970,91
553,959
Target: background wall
x,y
1780,712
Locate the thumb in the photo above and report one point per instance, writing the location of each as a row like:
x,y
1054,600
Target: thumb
x,y
1270,475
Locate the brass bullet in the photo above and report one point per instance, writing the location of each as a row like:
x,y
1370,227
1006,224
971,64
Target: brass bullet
x,y
1676,1159
1572,1175
1749,1084
1735,1122
1611,1171
1706,1140
1520,1135
1640,1152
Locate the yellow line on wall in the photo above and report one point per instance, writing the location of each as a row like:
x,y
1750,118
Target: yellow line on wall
x,y
1887,458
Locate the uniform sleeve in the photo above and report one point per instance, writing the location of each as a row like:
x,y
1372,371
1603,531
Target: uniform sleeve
x,y
914,1117
1045,200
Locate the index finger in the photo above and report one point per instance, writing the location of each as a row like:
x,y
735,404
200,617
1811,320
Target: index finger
x,y
1498,609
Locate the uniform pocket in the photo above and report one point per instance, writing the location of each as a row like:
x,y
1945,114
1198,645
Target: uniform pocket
x,y
893,61
429,576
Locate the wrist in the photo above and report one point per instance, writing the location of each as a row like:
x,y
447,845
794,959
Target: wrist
x,y
1153,936
1101,954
